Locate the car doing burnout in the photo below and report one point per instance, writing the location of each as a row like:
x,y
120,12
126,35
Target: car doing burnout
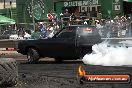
x,y
72,42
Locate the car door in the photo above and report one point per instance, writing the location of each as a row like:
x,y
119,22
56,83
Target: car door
x,y
63,45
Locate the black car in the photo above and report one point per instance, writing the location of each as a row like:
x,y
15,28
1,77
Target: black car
x,y
71,42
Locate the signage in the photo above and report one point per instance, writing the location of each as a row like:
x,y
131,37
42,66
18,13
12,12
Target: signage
x,y
117,7
81,3
38,9
116,1
128,0
84,9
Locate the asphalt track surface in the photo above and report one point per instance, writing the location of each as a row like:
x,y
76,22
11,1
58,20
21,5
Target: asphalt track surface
x,y
48,74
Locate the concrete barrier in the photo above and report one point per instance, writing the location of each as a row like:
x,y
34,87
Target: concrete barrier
x,y
8,43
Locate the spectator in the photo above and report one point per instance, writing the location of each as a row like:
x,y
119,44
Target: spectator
x,y
50,16
85,22
36,34
66,17
72,17
21,32
55,19
43,30
50,30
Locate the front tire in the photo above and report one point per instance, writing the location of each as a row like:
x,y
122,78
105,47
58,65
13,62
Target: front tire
x,y
32,55
8,72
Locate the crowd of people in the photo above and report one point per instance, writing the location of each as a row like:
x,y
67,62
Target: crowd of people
x,y
117,27
44,30
55,23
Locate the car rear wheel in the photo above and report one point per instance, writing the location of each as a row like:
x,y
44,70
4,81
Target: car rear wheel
x,y
8,72
32,55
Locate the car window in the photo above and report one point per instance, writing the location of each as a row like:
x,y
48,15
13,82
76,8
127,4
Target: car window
x,y
68,32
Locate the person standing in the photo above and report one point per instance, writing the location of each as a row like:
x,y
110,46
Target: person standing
x,y
50,16
43,30
21,32
50,30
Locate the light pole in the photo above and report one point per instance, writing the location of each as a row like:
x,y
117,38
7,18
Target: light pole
x,y
53,4
33,15
4,3
10,9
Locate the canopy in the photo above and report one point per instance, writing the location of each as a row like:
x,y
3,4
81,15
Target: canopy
x,y
128,0
6,20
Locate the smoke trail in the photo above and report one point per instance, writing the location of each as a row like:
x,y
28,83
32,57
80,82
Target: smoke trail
x,y
109,55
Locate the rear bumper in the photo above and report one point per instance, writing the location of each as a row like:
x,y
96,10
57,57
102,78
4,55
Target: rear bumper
x,y
89,40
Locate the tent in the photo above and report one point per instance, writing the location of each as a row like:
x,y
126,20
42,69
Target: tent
x,y
6,20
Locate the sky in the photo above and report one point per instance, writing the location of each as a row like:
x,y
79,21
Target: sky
x,y
8,0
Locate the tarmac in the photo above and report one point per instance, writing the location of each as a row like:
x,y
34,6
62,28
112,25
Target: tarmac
x,y
11,51
48,74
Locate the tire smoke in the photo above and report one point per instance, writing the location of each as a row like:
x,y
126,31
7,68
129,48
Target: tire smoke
x,y
109,55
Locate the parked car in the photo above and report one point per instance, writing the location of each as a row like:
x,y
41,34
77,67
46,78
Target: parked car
x,y
71,42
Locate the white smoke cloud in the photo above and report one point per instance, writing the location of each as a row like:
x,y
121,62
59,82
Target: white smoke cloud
x,y
106,55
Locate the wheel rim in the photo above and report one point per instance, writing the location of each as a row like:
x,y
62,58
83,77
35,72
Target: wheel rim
x,y
30,56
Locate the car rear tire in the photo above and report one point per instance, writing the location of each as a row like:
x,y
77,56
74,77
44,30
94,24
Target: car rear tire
x,y
32,55
8,72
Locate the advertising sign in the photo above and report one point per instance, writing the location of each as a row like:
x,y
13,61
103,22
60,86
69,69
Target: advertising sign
x,y
81,3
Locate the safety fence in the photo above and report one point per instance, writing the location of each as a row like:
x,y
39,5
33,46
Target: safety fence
x,y
8,44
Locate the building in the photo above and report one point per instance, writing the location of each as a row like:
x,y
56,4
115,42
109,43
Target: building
x,y
92,8
8,8
7,4
23,12
108,8
40,9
